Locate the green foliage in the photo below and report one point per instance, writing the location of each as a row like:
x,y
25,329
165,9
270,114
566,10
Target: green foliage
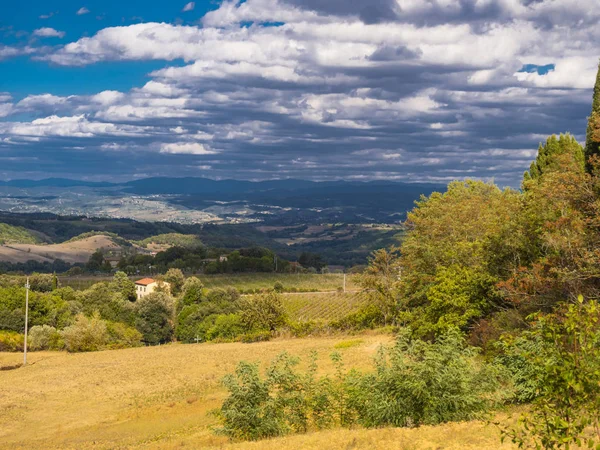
x,y
193,292
592,140
175,239
226,327
44,338
262,312
16,235
176,280
382,281
284,402
419,383
414,383
548,157
86,334
11,341
109,301
558,364
278,287
122,336
123,285
154,318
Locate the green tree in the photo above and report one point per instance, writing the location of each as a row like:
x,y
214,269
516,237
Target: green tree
x,y
548,156
592,139
96,261
154,318
381,280
122,284
176,280
262,312
460,229
566,410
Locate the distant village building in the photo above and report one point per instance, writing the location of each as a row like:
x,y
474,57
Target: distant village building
x,y
223,258
147,286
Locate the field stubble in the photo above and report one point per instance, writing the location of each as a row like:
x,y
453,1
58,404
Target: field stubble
x,y
160,397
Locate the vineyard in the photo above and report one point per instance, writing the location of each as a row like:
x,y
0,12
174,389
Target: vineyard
x,y
326,306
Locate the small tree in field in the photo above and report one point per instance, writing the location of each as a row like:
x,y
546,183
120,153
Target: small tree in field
x,y
262,312
566,411
154,318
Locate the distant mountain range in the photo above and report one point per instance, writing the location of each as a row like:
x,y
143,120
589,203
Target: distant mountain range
x,y
197,185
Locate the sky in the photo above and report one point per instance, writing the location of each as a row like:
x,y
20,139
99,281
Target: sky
x,y
406,90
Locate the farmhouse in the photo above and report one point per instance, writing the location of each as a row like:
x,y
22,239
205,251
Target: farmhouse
x,y
146,286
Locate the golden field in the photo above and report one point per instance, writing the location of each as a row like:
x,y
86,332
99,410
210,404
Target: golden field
x,y
161,397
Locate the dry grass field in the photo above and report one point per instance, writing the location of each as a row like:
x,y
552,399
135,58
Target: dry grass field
x,y
72,252
160,397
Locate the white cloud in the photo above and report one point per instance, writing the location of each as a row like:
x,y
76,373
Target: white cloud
x,y
108,97
189,7
186,148
83,10
74,126
49,32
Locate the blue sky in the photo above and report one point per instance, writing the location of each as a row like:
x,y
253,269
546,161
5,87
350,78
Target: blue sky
x,y
260,89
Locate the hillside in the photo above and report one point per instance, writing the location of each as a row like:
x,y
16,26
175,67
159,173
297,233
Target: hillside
x,y
16,235
119,399
76,251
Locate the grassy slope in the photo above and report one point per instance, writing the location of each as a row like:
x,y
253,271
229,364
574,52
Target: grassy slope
x,y
172,239
319,306
16,235
160,397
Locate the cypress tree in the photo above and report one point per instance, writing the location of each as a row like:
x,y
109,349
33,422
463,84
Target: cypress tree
x,y
548,157
592,137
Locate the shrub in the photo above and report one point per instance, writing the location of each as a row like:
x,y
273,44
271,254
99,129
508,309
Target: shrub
x,y
282,402
420,383
44,338
257,336
227,326
278,287
11,341
563,349
414,383
86,334
123,336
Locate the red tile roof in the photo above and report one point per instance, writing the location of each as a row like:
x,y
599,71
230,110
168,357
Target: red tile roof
x,y
145,281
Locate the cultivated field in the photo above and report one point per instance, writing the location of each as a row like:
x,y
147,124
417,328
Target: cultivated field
x,y
78,251
322,306
160,397
303,281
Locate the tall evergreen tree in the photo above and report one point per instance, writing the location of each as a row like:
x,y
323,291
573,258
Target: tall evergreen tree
x,y
592,137
549,154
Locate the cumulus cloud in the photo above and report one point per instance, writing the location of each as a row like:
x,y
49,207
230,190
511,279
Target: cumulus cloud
x,y
48,32
397,89
186,148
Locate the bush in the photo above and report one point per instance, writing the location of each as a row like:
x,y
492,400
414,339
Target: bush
x,y
278,287
11,341
420,383
44,338
562,372
284,402
257,336
414,383
122,336
227,326
86,334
